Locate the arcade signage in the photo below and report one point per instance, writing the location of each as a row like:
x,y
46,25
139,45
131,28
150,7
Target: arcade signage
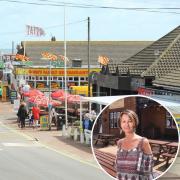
x,y
54,72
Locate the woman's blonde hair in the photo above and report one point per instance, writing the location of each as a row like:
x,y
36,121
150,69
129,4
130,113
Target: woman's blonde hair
x,y
132,115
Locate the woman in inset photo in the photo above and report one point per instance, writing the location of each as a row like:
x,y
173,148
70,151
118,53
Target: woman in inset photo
x,y
135,138
134,158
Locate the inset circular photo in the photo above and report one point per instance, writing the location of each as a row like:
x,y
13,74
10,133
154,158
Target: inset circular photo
x,y
135,138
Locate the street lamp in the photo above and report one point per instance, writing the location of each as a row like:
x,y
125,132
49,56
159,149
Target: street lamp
x,y
65,68
49,106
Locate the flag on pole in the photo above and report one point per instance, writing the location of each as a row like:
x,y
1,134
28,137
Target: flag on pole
x,y
34,31
103,60
47,55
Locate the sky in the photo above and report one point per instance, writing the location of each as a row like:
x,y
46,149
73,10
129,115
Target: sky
x,y
106,24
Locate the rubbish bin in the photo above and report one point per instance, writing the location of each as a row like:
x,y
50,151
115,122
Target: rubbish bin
x,y
60,122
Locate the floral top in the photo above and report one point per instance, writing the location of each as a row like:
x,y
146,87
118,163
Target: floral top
x,y
133,164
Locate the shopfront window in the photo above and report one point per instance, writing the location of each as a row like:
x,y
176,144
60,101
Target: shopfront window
x,y
114,119
170,123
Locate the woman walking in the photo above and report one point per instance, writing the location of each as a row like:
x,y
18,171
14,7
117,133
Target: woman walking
x,y
22,114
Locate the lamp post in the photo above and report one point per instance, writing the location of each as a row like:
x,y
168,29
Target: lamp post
x,y
49,106
65,68
89,87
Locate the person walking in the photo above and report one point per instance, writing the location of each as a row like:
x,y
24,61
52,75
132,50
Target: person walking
x,y
31,118
22,114
36,112
134,159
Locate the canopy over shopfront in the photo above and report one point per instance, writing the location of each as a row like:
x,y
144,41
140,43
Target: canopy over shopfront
x,y
172,106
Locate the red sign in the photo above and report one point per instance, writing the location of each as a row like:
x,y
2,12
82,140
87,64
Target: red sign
x,y
144,91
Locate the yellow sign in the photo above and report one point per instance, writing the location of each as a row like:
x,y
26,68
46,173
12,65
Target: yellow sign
x,y
44,122
40,85
55,85
177,118
4,92
55,72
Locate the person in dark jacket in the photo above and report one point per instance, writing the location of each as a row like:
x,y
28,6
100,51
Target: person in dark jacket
x,y
22,114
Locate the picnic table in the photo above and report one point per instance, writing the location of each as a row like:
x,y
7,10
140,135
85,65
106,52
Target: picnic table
x,y
161,145
171,152
105,139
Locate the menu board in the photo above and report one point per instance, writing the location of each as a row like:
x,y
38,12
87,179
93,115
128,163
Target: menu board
x,y
44,122
13,95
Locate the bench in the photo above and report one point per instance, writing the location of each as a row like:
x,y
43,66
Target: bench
x,y
105,139
107,161
168,156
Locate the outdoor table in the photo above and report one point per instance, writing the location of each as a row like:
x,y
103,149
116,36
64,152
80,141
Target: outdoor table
x,y
71,119
171,152
104,138
161,147
172,147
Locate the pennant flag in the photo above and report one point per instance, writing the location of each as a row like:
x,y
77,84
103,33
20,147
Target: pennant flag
x,y
34,31
103,60
47,55
20,57
63,58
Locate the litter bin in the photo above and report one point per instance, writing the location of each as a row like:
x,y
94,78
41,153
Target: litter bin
x,y
60,122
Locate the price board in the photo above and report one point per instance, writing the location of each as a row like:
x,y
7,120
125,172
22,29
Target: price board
x,y
44,122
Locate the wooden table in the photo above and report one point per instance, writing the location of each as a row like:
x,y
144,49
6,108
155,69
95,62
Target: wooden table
x,y
171,152
104,138
172,147
161,147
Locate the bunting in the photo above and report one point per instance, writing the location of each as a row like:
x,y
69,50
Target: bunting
x,y
103,60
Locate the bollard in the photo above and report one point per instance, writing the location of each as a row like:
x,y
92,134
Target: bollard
x,y
64,130
75,134
69,129
82,137
87,136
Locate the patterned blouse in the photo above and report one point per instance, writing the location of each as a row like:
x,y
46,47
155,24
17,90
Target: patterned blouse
x,y
129,162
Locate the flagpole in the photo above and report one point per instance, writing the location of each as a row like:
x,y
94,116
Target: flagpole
x,y
65,68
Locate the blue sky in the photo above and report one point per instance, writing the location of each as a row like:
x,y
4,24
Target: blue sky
x,y
106,24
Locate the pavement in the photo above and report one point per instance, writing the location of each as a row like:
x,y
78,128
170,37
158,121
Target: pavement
x,y
54,141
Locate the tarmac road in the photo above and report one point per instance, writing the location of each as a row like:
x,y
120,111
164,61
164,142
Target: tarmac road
x,y
24,159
